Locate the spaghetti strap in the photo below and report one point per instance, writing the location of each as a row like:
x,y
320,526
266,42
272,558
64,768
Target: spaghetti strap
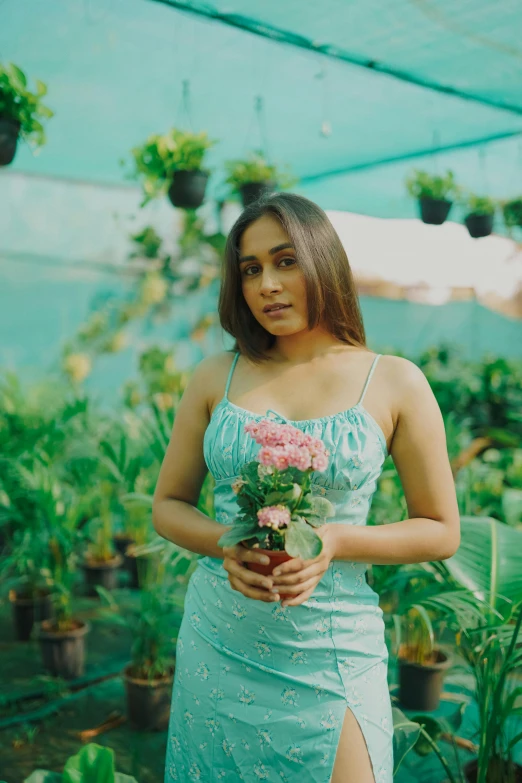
x,y
372,368
236,357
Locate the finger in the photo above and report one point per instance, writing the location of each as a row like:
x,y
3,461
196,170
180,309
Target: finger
x,y
247,576
245,555
252,592
295,590
299,599
298,577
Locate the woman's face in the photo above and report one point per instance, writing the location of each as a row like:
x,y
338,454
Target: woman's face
x,y
268,277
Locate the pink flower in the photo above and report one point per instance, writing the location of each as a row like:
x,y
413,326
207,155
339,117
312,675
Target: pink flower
x,y
283,446
273,516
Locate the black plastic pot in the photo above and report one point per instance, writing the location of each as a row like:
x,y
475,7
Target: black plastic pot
x,y
27,611
131,565
187,190
9,130
479,225
420,685
434,210
471,772
63,652
102,574
148,701
252,191
121,541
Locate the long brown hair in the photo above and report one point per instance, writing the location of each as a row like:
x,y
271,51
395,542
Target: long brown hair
x,y
330,288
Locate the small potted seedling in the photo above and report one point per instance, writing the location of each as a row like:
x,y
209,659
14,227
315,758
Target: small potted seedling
x,y
150,674
101,563
62,639
422,665
254,176
480,215
21,112
434,194
172,165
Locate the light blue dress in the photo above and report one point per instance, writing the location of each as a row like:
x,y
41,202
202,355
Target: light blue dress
x,y
261,690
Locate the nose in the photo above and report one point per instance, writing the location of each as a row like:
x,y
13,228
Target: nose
x,y
269,282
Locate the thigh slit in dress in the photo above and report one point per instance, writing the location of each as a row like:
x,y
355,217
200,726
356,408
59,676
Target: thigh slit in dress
x,y
261,690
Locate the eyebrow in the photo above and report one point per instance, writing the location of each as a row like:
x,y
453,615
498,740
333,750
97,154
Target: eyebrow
x,y
272,252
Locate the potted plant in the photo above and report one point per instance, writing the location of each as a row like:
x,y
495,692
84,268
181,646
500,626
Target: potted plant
x,y
92,763
101,563
139,557
172,164
21,112
254,176
480,215
512,211
422,665
434,194
278,512
150,674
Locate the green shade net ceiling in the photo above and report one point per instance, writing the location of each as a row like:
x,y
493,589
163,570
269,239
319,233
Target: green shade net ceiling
x,y
353,94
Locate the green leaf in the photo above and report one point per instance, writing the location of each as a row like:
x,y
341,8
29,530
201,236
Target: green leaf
x,y
301,541
432,727
92,764
405,735
121,778
44,776
18,74
237,533
322,507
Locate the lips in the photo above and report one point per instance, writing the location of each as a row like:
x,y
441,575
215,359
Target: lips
x,y
272,308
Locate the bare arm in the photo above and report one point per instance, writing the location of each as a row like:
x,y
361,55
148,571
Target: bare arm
x,y
420,455
174,513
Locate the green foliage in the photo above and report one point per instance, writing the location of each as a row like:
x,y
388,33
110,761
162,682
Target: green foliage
x,y
480,205
18,103
92,764
148,243
256,168
512,211
160,156
421,184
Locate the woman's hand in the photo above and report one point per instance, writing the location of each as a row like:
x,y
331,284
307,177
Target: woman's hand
x,y
301,577
242,579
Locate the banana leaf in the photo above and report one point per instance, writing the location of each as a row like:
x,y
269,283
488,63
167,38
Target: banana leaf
x,y
489,562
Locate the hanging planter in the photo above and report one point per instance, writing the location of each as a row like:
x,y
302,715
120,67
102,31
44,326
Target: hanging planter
x,y
187,189
172,165
512,212
434,195
253,177
480,215
21,112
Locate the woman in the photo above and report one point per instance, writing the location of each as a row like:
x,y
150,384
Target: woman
x,y
295,690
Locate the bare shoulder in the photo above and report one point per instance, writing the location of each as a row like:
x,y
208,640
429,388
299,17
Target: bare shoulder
x,y
404,379
210,376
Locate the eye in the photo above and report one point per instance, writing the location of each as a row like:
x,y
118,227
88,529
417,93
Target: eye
x,y
246,272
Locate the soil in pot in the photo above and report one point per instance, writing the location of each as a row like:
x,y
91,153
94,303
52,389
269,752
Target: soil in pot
x,y
420,684
63,652
471,773
9,130
434,210
252,191
479,225
148,701
104,574
275,559
121,541
29,609
187,190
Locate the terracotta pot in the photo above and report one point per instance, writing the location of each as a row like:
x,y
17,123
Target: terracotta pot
x,y
103,574
266,570
434,210
63,652
420,684
471,772
148,701
187,190
252,191
9,130
27,611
